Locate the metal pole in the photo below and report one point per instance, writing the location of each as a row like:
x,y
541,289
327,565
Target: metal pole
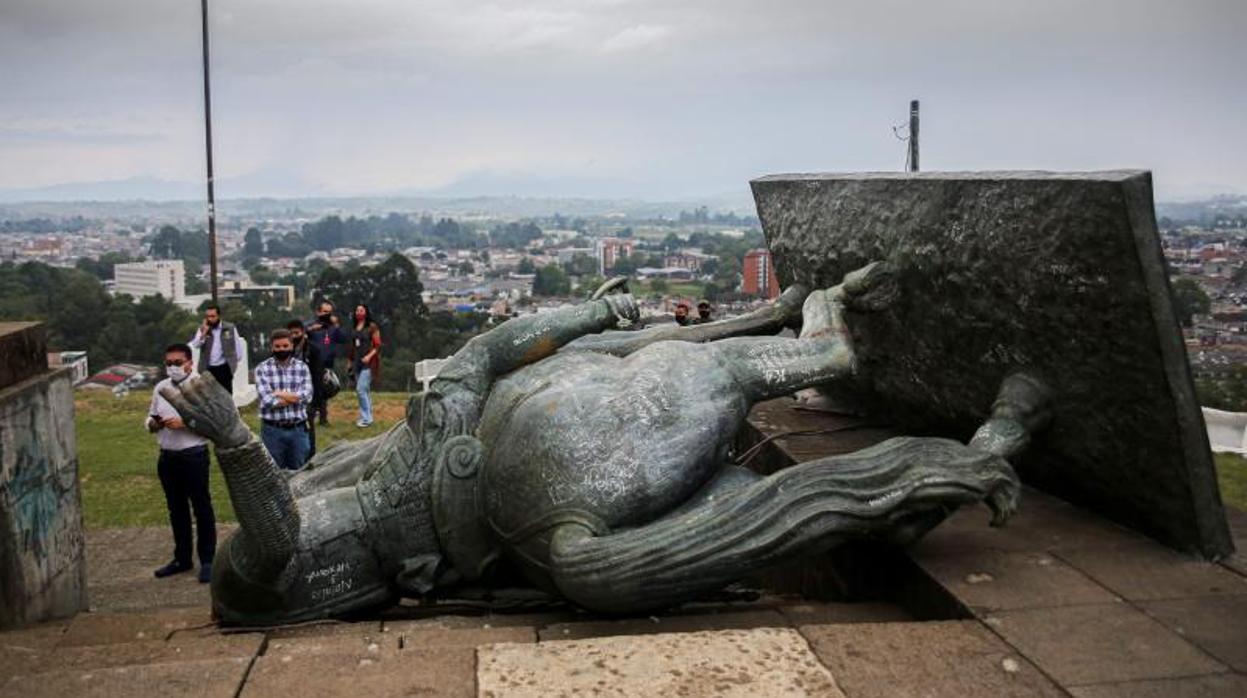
x,y
913,135
208,145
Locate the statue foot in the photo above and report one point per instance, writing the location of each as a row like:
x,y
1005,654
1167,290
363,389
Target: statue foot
x,y
821,314
613,285
870,289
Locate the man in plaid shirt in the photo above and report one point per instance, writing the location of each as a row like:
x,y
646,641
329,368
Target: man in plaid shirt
x,y
285,387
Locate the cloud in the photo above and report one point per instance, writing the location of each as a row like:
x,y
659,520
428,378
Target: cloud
x,y
635,37
687,97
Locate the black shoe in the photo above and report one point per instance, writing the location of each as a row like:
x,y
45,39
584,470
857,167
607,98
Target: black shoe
x,y
205,572
172,568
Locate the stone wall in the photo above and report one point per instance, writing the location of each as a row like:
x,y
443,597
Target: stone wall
x,y
42,557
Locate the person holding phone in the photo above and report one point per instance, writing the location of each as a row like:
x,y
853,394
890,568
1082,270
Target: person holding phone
x,y
183,468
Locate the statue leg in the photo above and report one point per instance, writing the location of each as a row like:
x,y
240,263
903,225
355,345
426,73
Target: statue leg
x,y
768,367
747,526
340,465
771,319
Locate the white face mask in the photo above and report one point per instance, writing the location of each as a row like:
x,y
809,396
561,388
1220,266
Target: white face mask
x,y
177,373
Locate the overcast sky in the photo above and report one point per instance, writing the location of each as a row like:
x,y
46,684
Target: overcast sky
x,y
632,98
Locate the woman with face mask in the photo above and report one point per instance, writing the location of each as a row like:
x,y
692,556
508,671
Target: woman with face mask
x,y
183,468
365,360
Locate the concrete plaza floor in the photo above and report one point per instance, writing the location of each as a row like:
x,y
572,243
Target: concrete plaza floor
x,y
1059,603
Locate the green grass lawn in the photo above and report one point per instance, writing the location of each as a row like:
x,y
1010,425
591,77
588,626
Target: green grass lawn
x,y
117,457
1232,474
686,289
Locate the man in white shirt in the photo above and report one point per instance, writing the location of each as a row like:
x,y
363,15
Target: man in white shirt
x,y
219,347
183,468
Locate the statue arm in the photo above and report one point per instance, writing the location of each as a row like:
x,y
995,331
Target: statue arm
x,y
263,502
529,339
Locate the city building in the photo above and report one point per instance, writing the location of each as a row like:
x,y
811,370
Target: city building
x,y
690,258
611,250
567,254
165,277
75,360
759,274
279,294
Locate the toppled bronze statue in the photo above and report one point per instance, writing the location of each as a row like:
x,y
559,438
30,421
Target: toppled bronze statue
x,y
597,469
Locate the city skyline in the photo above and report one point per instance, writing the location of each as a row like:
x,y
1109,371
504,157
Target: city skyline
x,y
610,98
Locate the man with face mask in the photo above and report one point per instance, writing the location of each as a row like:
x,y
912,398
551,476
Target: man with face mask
x,y
285,388
183,468
324,341
298,339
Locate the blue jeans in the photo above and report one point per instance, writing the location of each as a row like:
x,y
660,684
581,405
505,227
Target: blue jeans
x,y
363,383
288,447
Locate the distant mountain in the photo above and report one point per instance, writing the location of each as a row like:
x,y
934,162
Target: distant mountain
x,y
518,195
130,189
1204,211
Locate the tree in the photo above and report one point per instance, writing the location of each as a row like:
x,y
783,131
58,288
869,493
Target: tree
x,y
581,264
393,292
1189,300
288,245
589,283
76,320
1227,391
195,285
526,266
627,265
466,268
252,244
659,286
102,268
551,281
727,275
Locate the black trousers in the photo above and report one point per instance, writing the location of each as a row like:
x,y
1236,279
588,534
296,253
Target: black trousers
x,y
223,375
184,478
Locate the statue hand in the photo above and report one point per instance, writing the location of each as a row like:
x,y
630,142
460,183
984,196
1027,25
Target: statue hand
x,y
624,306
208,410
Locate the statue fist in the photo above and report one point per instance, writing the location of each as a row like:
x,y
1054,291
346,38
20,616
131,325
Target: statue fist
x,y
208,410
624,306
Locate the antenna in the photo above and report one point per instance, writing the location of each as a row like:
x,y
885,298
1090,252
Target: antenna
x,y
208,145
913,135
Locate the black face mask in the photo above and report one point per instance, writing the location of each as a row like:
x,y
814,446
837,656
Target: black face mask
x,y
325,319
283,354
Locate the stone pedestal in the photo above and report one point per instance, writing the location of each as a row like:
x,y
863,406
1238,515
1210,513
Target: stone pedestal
x,y
42,557
1058,275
